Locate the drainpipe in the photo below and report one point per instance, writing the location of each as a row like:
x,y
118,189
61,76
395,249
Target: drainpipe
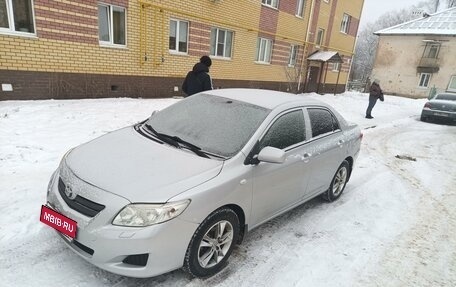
x,y
304,53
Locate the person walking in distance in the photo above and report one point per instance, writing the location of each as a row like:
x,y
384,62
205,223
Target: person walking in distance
x,y
198,79
375,93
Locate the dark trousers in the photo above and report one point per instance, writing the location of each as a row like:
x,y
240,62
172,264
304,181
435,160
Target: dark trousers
x,y
372,102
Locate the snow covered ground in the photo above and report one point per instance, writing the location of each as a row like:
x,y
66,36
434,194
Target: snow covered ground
x,y
395,224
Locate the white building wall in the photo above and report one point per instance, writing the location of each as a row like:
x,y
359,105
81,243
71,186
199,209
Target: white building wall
x,y
397,60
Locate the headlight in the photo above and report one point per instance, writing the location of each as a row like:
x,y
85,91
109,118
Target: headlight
x,y
142,214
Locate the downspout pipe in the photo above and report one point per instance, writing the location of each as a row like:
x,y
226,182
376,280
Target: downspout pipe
x,y
306,43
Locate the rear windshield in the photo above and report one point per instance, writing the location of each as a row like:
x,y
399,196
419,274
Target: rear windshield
x,y
446,97
215,124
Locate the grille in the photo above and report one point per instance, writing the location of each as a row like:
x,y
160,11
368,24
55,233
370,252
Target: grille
x,y
80,204
137,259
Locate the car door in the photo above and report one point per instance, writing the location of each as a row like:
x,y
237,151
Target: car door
x,y
278,186
326,149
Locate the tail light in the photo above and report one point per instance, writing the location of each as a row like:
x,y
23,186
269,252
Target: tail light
x,y
428,105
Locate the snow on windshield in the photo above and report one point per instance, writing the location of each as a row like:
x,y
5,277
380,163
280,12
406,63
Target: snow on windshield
x,y
217,125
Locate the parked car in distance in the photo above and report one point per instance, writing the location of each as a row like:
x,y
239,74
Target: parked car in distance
x,y
181,188
442,106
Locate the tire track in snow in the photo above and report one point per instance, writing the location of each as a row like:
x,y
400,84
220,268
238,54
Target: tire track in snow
x,y
424,255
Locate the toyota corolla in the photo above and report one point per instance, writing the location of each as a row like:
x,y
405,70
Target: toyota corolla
x,y
183,187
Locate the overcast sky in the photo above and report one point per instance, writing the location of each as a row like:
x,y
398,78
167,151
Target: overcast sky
x,y
375,8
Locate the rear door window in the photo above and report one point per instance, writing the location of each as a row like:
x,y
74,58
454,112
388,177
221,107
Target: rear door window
x,y
322,121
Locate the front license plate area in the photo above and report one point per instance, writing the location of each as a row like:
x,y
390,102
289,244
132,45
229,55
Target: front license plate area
x,y
59,222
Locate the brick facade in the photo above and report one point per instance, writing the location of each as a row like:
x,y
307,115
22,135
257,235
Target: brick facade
x,y
64,58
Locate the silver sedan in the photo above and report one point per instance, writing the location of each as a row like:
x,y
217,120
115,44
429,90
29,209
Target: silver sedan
x,y
181,188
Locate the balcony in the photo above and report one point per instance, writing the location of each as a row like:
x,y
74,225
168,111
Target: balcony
x,y
428,65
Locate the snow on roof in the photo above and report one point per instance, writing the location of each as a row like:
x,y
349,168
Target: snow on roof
x,y
325,56
264,98
441,23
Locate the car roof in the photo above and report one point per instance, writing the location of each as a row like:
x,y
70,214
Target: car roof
x,y
445,94
264,98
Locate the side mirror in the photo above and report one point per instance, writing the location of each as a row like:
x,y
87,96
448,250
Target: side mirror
x,y
271,155
153,113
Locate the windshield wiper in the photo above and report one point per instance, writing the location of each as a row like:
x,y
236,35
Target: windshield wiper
x,y
196,149
177,142
162,137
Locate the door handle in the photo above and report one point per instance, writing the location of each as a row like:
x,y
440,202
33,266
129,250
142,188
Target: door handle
x,y
340,143
306,157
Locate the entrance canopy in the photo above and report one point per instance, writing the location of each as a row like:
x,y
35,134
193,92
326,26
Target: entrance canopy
x,y
325,56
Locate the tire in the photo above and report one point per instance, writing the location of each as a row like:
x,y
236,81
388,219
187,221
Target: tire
x,y
338,182
200,259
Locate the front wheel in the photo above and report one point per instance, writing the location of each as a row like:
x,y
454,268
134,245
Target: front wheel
x,y
338,182
212,243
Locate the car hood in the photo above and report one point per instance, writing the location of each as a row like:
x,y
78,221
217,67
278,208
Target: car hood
x,y
139,169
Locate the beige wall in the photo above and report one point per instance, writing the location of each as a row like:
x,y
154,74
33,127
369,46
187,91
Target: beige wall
x,y
397,60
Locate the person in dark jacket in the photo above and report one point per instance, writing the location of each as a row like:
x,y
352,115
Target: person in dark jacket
x,y
198,79
375,93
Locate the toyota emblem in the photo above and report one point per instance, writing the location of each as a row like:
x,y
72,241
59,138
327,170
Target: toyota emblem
x,y
69,192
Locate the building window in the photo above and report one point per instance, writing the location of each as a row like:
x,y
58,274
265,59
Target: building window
x,y
452,85
344,26
271,3
424,80
431,51
178,36
293,55
320,36
300,8
16,16
336,67
111,25
264,50
221,42
327,1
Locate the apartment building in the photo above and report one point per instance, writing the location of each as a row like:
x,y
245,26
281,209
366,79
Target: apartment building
x,y
417,59
65,49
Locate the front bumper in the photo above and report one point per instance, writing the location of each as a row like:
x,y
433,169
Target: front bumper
x,y
107,246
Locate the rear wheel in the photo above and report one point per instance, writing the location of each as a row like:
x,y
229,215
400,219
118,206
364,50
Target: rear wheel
x,y
338,183
212,243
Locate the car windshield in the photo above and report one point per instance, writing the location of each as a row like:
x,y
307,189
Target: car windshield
x,y
215,124
446,97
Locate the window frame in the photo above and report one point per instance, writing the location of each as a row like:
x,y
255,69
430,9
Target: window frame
x,y
275,119
452,79
300,8
271,4
423,80
345,24
335,121
293,57
11,30
428,48
319,40
176,51
217,29
260,41
336,67
111,43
